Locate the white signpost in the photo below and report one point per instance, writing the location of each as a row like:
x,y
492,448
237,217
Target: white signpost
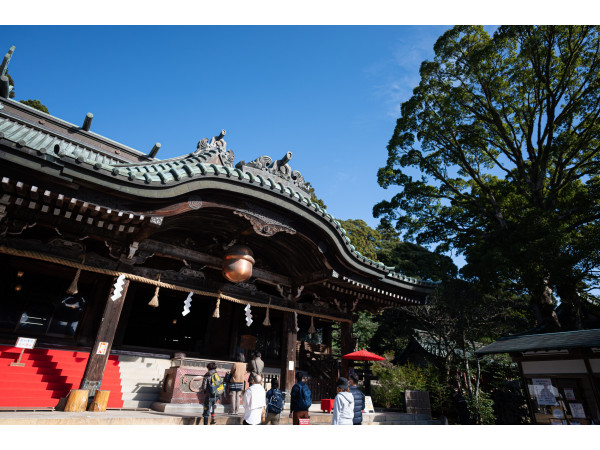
x,y
369,405
23,343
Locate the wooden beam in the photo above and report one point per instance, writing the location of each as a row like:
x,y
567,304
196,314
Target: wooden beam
x,y
173,251
94,370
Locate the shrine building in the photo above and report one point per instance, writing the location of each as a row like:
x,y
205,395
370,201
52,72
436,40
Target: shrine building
x,y
116,262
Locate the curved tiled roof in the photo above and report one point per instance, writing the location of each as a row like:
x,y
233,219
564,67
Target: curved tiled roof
x,y
175,171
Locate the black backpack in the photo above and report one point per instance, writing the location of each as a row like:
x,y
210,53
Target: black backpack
x,y
275,404
304,397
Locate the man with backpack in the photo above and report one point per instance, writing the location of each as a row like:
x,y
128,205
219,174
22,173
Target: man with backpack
x,y
300,400
274,403
213,388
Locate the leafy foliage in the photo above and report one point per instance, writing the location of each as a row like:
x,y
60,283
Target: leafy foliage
x,y
497,155
313,197
393,381
481,408
365,239
35,104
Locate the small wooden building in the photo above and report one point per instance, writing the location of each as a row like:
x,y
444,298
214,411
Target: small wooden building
x,y
111,251
561,372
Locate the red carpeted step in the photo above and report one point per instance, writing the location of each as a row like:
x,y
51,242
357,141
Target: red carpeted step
x,y
49,375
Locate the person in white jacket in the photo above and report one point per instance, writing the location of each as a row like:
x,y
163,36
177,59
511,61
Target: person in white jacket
x,y
343,407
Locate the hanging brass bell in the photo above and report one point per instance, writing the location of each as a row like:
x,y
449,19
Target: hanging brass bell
x,y
237,264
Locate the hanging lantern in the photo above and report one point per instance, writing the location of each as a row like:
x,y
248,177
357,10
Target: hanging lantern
x,y
237,264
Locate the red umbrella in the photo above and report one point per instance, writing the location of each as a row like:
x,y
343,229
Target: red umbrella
x,y
363,355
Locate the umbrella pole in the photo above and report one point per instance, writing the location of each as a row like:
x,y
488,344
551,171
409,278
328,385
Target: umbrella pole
x,y
367,379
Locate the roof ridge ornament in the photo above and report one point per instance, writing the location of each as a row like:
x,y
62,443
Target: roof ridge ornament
x,y
279,168
216,143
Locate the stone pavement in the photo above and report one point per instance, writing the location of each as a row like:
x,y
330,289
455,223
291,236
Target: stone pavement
x,y
149,417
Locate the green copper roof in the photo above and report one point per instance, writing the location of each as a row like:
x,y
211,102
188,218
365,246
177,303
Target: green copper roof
x,y
52,146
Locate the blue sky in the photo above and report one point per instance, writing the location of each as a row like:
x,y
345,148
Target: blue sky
x,y
328,94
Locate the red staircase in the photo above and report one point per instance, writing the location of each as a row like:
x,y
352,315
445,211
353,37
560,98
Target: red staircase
x,y
49,375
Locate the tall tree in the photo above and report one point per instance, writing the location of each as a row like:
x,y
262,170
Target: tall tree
x,y
497,155
365,239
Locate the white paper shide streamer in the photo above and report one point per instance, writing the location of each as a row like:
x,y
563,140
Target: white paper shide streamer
x,y
248,315
118,288
296,322
187,304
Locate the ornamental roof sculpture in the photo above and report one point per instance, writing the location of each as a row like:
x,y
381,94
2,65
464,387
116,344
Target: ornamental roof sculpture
x,y
56,141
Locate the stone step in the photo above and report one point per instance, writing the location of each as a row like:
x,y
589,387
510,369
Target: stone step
x,y
140,396
133,404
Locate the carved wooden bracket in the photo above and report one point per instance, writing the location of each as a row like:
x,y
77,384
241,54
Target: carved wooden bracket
x,y
264,222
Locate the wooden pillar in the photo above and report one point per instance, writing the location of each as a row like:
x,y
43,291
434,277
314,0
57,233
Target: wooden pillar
x,y
288,352
327,338
94,370
347,346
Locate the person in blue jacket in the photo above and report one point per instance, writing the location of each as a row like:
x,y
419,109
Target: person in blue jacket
x,y
359,400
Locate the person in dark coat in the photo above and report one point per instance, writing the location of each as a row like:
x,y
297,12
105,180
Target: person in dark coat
x,y
461,407
359,399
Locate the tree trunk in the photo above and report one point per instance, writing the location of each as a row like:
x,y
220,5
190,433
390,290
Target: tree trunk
x,y
543,307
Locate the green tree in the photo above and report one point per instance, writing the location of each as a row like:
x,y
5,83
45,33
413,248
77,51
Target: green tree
x,y
313,197
35,104
497,155
365,239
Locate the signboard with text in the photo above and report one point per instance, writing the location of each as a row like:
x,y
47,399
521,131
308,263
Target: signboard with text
x,y
544,392
24,342
102,347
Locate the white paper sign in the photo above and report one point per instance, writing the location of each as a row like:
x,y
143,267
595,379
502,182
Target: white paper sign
x,y
569,394
577,410
23,342
369,405
102,347
290,365
544,393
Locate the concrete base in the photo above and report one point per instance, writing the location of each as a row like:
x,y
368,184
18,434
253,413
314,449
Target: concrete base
x,y
190,409
113,417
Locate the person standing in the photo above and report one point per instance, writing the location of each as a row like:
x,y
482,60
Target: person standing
x,y
256,365
275,402
254,402
210,394
236,382
359,399
300,400
343,407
